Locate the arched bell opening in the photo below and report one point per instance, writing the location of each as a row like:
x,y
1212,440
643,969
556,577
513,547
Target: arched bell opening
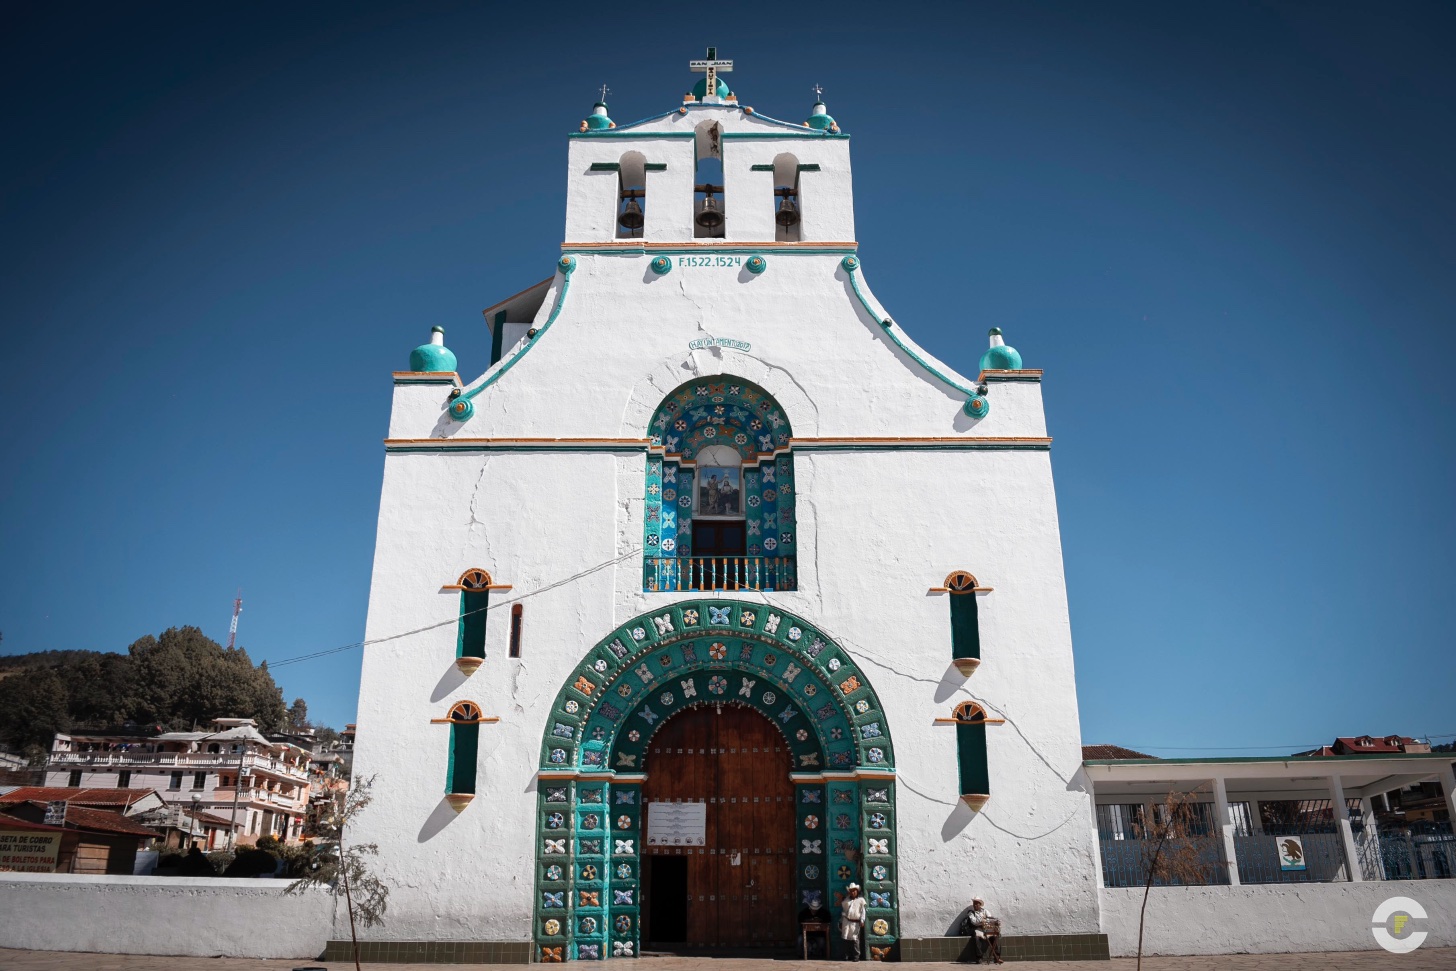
x,y
709,219
711,675
631,196
788,213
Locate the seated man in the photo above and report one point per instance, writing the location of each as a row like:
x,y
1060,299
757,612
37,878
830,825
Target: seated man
x,y
814,915
985,929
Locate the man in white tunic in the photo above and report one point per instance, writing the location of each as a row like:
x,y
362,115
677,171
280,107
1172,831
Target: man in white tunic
x,y
851,925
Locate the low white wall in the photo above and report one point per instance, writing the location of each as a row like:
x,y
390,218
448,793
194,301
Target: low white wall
x,y
1269,919
194,916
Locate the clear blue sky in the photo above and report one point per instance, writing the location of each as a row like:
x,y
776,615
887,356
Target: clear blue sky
x,y
1225,231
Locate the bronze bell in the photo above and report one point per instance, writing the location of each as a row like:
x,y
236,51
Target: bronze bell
x,y
709,215
631,217
788,214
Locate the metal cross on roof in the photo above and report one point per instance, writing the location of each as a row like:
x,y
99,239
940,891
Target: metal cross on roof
x,y
711,66
605,91
818,92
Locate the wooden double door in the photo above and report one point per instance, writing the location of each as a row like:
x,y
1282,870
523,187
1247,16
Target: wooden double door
x,y
736,890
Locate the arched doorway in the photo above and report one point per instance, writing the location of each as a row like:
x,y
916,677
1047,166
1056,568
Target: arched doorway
x,y
597,759
729,765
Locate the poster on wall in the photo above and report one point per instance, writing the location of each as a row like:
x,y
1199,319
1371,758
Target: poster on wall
x,y
1291,852
677,823
29,852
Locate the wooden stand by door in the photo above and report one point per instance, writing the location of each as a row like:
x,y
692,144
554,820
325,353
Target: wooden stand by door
x,y
740,885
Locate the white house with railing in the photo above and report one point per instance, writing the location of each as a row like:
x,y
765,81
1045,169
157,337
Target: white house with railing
x,y
260,786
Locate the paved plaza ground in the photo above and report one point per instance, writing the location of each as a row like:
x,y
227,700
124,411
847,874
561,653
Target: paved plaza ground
x,y
1424,959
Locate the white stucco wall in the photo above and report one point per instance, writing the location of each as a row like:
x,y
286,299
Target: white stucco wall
x,y
591,213
1270,919
877,527
192,916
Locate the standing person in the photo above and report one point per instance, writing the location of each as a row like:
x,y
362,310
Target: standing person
x,y
851,924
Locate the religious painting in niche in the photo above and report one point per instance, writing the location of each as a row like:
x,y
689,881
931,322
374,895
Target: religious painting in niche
x,y
720,491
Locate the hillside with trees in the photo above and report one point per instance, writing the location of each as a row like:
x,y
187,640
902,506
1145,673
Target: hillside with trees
x,y
177,680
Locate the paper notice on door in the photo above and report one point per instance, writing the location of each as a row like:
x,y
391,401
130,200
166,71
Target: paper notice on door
x,y
677,823
736,859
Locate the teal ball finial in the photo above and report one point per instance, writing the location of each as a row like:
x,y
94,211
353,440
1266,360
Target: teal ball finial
x,y
700,90
434,356
598,120
819,118
1000,356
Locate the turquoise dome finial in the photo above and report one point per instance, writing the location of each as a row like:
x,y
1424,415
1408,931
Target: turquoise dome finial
x,y
819,118
434,356
700,90
1000,356
598,120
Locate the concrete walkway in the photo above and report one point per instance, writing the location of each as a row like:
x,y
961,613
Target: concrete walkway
x,y
1424,959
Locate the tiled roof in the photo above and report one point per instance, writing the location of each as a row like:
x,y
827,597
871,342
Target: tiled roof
x,y
89,820
118,798
1094,753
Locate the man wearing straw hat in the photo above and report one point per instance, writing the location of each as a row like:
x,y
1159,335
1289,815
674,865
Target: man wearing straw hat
x,y
985,929
851,924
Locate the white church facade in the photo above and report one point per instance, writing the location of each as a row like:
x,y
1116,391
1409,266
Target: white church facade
x,y
756,597
713,593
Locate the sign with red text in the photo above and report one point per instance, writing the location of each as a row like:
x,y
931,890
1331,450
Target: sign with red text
x,y
29,852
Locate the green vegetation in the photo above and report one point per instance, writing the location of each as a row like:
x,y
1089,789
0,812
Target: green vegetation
x,y
174,681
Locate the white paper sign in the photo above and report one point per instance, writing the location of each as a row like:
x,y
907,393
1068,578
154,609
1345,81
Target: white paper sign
x,y
677,823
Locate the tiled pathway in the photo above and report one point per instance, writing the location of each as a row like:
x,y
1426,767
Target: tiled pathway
x,y
1425,959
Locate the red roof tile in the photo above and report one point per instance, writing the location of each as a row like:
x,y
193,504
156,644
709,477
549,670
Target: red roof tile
x,y
85,820
76,796
1094,753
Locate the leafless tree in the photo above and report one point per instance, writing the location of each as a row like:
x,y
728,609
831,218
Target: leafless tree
x,y
1175,844
343,867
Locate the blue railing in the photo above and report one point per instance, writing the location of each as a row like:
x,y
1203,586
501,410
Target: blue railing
x,y
683,573
1413,851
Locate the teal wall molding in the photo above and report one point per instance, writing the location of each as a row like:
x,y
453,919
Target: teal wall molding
x,y
462,408
661,265
976,406
733,248
853,267
756,264
695,653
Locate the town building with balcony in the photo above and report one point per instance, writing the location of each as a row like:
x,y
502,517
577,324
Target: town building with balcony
x,y
257,785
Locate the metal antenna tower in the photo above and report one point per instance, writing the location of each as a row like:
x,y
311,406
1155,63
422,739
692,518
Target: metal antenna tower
x,y
233,628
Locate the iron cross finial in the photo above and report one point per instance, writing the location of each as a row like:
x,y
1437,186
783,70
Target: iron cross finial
x,y
818,91
605,91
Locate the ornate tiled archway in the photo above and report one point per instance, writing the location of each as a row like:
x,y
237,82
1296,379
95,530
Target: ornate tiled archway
x,y
590,817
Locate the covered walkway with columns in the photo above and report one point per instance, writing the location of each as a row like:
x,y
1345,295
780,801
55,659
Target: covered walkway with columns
x,y
1244,812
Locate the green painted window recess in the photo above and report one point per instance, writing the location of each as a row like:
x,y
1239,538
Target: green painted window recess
x,y
965,623
974,767
464,748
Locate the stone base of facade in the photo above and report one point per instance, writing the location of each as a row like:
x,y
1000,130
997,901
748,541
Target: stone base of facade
x,y
431,952
1050,947
1047,947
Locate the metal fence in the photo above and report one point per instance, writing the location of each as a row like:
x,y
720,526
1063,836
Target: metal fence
x,y
1409,851
1299,842
1127,856
1293,841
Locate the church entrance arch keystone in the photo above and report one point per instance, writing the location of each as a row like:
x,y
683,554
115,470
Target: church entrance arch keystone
x,y
591,822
